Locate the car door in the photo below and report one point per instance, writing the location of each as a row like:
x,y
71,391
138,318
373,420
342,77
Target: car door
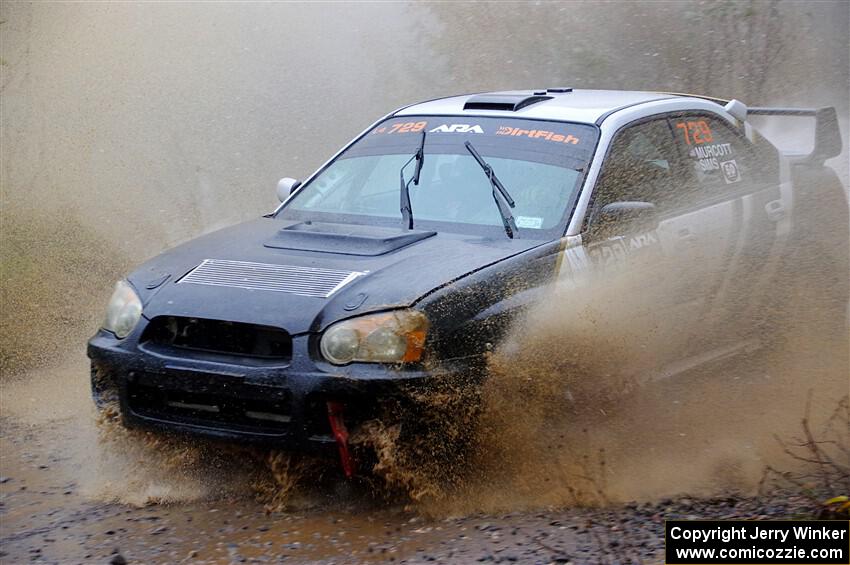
x,y
643,262
672,267
735,187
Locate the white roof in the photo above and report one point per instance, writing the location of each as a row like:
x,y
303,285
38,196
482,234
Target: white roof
x,y
585,106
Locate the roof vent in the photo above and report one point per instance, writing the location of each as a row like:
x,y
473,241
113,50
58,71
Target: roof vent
x,y
559,89
505,102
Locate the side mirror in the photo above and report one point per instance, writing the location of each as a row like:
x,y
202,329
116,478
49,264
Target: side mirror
x,y
619,218
285,187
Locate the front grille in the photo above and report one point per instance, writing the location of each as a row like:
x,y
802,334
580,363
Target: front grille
x,y
216,336
304,281
245,408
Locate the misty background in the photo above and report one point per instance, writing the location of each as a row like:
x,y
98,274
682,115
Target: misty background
x,y
130,127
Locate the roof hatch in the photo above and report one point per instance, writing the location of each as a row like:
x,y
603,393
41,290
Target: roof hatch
x,y
505,102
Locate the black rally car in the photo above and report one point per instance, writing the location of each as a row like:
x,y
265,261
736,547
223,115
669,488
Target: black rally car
x,y
409,253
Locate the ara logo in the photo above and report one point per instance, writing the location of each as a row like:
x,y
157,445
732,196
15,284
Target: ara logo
x,y
457,128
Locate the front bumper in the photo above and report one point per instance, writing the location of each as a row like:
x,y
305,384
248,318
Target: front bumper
x,y
243,400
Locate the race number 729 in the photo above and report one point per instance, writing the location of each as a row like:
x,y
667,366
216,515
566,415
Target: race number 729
x,y
408,127
696,133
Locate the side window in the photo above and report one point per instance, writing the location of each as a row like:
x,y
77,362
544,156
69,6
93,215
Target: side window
x,y
642,165
719,160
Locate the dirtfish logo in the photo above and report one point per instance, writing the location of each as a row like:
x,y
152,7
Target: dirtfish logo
x,y
457,128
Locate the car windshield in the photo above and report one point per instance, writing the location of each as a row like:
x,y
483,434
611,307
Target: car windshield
x,y
540,163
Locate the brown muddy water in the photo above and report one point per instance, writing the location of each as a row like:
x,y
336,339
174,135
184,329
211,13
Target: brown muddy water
x,y
76,491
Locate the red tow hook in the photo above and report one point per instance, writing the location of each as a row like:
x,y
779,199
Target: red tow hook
x,y
336,413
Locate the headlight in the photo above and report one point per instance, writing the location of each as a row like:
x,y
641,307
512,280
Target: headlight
x,y
391,337
124,310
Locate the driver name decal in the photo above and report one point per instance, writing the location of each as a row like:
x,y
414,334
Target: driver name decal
x,y
708,155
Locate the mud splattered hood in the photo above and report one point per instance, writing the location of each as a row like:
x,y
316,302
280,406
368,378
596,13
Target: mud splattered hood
x,y
295,275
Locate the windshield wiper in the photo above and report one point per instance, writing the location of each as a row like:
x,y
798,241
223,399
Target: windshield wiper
x,y
406,210
498,189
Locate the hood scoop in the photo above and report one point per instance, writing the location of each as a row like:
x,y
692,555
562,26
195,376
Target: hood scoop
x,y
344,239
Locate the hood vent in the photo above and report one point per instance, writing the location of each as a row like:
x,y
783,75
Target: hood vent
x,y
505,102
303,281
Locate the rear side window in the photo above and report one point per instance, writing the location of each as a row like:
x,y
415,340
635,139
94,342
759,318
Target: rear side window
x,y
719,159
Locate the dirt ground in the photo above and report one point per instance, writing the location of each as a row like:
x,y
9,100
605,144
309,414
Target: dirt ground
x,y
48,518
68,495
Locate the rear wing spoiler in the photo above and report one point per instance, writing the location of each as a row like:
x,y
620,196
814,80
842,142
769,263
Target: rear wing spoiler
x,y
827,135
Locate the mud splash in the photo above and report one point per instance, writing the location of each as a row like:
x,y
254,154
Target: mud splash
x,y
558,422
52,272
422,443
156,468
111,463
572,413
141,468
